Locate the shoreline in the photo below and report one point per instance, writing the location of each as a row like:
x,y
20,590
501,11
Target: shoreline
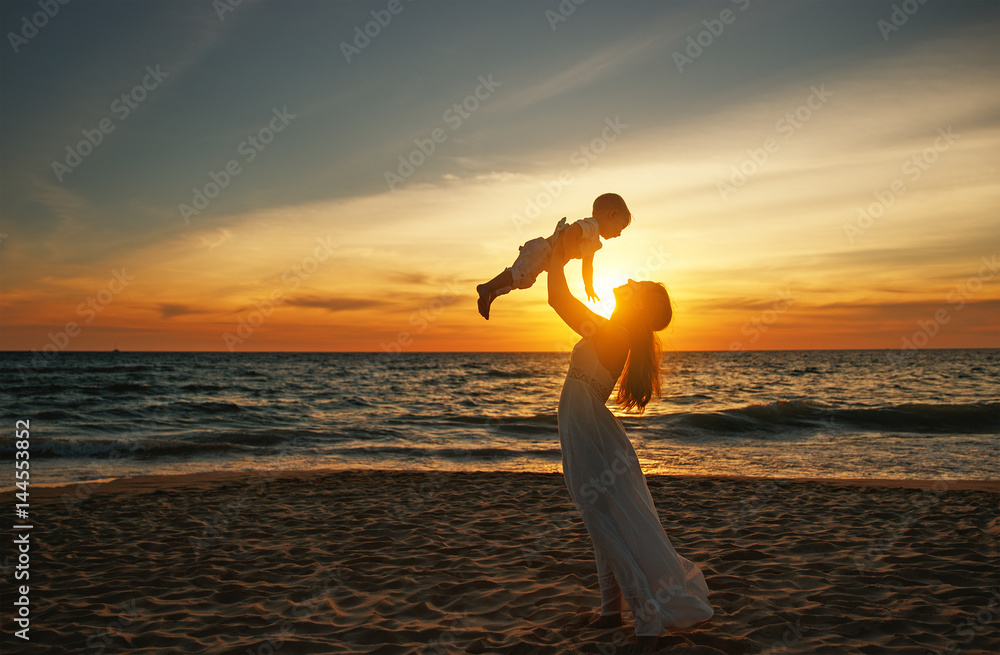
x,y
207,480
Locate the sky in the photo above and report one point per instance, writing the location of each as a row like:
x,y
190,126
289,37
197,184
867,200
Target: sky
x,y
339,176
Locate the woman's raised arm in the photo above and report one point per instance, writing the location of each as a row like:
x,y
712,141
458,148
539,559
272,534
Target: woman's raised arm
x,y
573,312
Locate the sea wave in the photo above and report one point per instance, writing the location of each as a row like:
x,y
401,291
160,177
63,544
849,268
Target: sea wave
x,y
758,418
42,448
514,374
202,387
244,442
122,368
194,407
454,454
548,419
116,387
921,418
517,425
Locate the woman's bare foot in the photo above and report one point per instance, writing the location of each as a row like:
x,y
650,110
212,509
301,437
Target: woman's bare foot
x,y
643,645
605,621
485,300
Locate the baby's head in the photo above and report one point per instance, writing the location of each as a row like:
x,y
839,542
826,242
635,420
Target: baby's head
x,y
612,214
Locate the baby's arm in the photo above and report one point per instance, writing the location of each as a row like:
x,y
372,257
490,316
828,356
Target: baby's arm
x,y
588,278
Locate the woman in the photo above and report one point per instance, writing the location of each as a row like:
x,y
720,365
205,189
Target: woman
x,y
635,560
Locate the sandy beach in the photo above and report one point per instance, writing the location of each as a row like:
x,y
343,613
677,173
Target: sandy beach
x,y
397,562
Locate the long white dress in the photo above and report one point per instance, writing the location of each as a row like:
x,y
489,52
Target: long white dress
x,y
634,556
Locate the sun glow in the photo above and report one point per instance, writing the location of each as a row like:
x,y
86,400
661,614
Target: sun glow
x,y
604,288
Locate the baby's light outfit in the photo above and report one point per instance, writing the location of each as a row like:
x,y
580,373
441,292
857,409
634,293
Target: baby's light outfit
x,y
535,254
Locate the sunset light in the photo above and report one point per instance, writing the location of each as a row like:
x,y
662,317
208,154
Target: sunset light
x,y
299,353
861,180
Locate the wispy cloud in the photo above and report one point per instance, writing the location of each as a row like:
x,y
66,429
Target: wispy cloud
x,y
409,278
604,62
334,303
172,310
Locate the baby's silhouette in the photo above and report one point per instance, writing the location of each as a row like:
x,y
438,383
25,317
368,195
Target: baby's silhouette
x,y
610,217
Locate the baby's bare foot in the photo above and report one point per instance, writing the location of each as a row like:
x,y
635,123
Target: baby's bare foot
x,y
485,300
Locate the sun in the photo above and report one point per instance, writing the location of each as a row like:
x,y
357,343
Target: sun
x,y
604,287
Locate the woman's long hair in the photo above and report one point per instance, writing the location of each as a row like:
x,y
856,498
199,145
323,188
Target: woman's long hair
x,y
640,380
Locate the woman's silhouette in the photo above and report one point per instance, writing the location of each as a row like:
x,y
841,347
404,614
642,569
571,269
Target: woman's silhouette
x,y
635,560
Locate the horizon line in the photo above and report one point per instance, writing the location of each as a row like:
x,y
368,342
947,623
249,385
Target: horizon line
x,y
475,352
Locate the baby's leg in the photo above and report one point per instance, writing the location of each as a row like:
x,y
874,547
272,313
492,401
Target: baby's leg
x,y
488,291
531,261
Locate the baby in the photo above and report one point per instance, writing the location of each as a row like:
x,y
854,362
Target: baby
x,y
610,217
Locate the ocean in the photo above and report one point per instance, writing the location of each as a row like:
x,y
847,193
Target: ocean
x,y
928,414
